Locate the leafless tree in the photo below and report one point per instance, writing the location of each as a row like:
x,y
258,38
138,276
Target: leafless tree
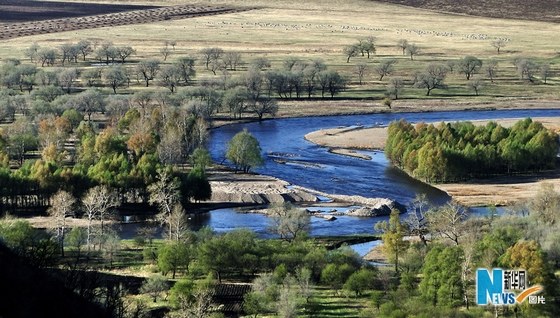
x,y
177,223
67,77
351,51
232,60
402,44
545,72
211,54
164,193
476,85
148,69
491,69
384,68
99,203
498,44
62,204
395,87
361,70
125,52
412,49
448,221
289,222
165,52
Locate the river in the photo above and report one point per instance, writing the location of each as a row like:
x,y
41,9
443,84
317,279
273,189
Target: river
x,y
314,167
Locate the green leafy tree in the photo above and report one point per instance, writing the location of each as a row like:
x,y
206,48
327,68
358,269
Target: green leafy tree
x,y
173,256
360,281
244,151
393,231
441,276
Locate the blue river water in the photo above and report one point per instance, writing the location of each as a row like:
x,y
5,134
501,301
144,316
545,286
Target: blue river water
x,y
312,166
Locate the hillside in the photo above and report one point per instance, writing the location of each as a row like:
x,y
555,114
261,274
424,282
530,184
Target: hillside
x,y
539,10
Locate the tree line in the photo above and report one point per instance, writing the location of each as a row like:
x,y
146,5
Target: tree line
x,y
461,150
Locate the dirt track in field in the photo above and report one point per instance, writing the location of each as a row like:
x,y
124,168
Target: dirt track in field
x,y
91,18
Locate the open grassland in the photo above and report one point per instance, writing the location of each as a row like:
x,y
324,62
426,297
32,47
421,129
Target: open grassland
x,y
321,29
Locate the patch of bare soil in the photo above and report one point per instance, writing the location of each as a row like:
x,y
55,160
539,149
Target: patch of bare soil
x,y
89,17
536,10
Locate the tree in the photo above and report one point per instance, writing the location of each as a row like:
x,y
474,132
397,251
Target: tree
x,y
177,222
491,69
395,87
331,81
32,52
526,68
173,256
244,151
476,85
99,203
384,68
84,46
431,78
545,205
288,222
47,56
367,45
498,44
351,51
186,67
448,221
148,69
154,286
335,276
211,55
545,72
170,77
115,76
393,237
91,76
89,102
469,66
361,70
198,186
416,223
232,60
164,193
165,52
62,204
402,44
412,49
360,281
264,105
67,77
529,256
441,276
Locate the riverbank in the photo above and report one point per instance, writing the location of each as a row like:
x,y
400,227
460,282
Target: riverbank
x,y
505,190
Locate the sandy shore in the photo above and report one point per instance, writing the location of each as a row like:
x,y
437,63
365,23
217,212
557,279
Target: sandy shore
x,y
495,191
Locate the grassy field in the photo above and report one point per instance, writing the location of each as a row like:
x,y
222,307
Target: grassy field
x,y
320,29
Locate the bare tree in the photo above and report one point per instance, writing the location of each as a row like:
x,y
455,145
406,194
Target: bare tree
x,y
402,44
476,85
498,44
31,52
264,105
170,77
99,203
115,77
47,56
361,70
395,87
491,69
448,221
148,69
165,52
84,46
232,60
62,204
367,45
545,72
526,67
431,78
416,223
67,77
412,49
125,52
164,193
186,66
469,66
384,68
211,54
351,51
177,223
